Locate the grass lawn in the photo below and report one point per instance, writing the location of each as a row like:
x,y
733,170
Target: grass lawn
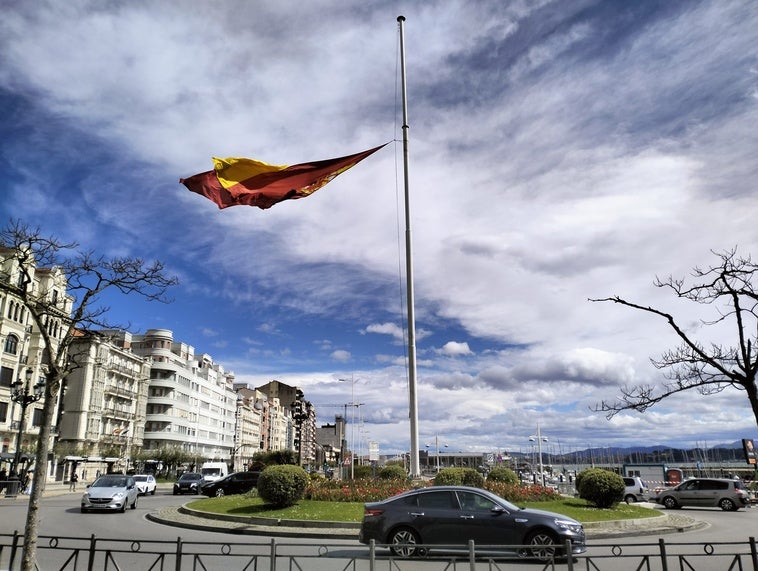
x,y
308,510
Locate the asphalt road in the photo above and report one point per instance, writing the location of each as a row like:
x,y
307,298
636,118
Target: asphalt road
x,y
61,518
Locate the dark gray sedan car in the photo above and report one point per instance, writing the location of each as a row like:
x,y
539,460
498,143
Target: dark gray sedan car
x,y
451,516
237,483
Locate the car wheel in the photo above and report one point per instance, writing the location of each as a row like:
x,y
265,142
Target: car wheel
x,y
630,499
542,545
84,510
176,493
403,542
134,505
123,506
670,503
219,492
727,505
152,492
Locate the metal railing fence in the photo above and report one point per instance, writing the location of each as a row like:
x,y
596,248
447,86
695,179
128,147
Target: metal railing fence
x,y
114,554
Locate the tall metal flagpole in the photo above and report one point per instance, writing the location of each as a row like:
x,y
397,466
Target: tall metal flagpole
x,y
413,404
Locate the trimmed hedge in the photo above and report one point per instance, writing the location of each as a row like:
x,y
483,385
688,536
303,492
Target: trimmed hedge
x,y
392,473
282,486
504,475
600,487
459,477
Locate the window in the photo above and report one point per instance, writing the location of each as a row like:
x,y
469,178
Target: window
x,y
3,411
11,344
436,500
6,377
37,417
474,502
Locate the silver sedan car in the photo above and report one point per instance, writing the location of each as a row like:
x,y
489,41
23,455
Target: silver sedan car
x,y
112,492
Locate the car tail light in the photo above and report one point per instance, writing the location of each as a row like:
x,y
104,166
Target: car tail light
x,y
372,512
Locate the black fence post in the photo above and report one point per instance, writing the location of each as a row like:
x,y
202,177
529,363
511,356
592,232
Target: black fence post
x,y
178,562
92,551
753,553
14,548
662,550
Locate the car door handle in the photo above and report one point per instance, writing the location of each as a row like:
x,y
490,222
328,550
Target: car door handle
x,y
417,514
467,517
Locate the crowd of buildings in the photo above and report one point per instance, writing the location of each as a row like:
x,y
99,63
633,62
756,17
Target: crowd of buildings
x,y
131,396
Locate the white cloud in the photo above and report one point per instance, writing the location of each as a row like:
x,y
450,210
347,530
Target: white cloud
x,y
559,152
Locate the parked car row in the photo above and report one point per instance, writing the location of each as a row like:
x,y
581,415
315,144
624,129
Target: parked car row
x,y
236,483
116,492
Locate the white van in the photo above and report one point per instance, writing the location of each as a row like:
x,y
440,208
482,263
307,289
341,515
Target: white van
x,y
213,471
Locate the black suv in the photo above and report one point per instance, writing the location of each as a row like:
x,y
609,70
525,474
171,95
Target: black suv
x,y
237,483
188,483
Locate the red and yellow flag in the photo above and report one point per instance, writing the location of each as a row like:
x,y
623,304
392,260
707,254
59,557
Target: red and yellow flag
x,y
239,181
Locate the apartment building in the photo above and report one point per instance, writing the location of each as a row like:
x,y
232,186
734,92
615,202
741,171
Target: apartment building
x,y
300,422
191,402
23,354
102,419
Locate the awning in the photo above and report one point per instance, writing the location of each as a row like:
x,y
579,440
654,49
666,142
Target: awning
x,y
12,456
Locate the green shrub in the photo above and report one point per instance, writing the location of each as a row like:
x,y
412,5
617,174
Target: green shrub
x,y
392,473
449,477
362,472
600,487
282,485
472,477
504,475
459,477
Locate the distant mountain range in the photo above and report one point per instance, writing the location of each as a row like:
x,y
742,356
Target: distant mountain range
x,y
728,452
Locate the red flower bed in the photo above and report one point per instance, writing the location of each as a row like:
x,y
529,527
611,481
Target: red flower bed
x,y
368,490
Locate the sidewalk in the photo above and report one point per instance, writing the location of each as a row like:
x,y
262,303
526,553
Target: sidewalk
x,y
51,489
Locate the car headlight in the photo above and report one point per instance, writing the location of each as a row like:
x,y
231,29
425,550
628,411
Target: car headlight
x,y
119,495
569,525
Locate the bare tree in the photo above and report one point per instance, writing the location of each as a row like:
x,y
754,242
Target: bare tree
x,y
87,277
706,368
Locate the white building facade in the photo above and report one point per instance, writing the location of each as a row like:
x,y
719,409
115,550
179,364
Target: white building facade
x,y
191,403
23,353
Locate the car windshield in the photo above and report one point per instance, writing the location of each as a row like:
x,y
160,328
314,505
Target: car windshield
x,y
186,477
110,483
140,478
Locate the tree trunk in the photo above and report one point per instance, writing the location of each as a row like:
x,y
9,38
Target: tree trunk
x,y
31,531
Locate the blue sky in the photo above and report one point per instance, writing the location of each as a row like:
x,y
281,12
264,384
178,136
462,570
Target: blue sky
x,y
559,151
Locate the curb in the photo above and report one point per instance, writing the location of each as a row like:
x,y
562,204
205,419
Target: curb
x,y
242,525
248,525
272,522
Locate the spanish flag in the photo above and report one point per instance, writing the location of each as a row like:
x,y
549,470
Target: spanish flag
x,y
239,181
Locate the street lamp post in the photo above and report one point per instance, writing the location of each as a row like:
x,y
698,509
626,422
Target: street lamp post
x,y
351,380
437,446
20,393
540,439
